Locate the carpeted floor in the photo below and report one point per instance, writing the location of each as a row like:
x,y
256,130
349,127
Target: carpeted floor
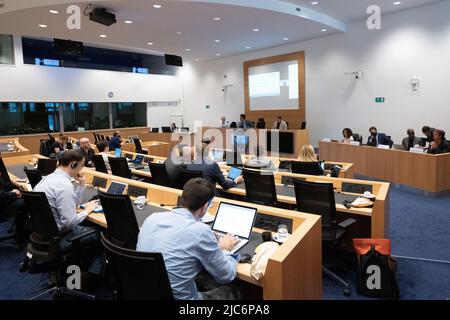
x,y
420,227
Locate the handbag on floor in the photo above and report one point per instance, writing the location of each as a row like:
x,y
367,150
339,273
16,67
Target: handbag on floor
x,y
376,271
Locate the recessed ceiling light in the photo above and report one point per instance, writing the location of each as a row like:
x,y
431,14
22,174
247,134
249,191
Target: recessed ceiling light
x,y
218,54
324,30
150,43
197,60
248,47
216,41
396,3
42,26
103,36
187,49
255,30
53,11
157,6
314,3
128,21
179,32
216,18
285,39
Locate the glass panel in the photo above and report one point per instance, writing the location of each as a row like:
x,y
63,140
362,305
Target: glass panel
x,y
6,49
85,116
28,118
129,115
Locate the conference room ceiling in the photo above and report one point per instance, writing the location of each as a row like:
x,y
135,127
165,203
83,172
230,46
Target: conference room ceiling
x,y
186,27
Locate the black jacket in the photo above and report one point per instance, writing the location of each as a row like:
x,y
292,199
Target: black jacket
x,y
444,147
213,174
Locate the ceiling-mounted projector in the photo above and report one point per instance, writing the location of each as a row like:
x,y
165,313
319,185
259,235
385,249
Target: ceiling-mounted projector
x,y
102,16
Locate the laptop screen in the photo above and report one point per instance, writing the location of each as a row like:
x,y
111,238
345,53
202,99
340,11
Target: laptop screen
x,y
116,188
118,152
138,160
235,219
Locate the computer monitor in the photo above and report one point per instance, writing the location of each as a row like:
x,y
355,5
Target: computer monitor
x,y
117,188
285,138
166,129
241,143
138,160
237,220
218,155
117,152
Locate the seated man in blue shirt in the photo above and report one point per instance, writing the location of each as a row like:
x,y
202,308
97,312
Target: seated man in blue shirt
x,y
64,199
375,139
115,142
188,246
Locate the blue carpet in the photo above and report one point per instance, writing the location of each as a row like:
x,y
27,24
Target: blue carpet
x,y
420,227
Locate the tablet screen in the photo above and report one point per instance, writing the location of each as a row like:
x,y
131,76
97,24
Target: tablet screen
x,y
234,173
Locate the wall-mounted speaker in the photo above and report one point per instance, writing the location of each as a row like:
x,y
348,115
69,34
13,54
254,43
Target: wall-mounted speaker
x,y
68,46
172,60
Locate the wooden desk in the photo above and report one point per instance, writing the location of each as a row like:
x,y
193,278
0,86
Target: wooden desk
x,y
293,272
378,215
223,138
16,150
427,172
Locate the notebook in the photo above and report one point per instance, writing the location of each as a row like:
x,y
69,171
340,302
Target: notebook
x,y
234,219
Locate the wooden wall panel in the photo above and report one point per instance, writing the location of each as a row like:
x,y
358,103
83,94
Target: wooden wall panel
x,y
294,117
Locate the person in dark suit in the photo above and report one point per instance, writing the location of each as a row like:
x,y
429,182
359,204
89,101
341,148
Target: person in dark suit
x,y
428,132
210,169
439,144
411,140
261,124
12,204
173,127
244,123
375,138
115,142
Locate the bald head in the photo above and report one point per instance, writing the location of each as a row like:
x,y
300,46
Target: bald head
x,y
85,143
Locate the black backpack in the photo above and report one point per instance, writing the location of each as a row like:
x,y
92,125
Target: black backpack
x,y
376,276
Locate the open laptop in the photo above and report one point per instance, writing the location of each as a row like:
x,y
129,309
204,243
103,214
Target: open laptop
x,y
137,162
117,188
234,219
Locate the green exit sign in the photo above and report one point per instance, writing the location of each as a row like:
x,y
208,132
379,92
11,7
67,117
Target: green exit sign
x,y
379,100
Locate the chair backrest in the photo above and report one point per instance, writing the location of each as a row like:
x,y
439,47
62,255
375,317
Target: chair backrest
x,y
233,124
41,214
155,130
187,175
95,137
137,145
4,172
33,175
99,163
317,198
138,275
159,174
46,166
260,125
166,129
357,137
123,228
119,167
260,187
311,168
303,126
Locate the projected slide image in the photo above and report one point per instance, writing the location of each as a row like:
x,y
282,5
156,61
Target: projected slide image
x,y
274,86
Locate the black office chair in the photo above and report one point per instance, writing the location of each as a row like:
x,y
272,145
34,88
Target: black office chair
x,y
166,129
310,168
34,176
260,187
119,167
318,198
138,146
233,125
123,228
95,137
285,165
159,174
155,130
47,166
187,175
303,125
357,137
261,125
99,163
4,172
137,275
43,248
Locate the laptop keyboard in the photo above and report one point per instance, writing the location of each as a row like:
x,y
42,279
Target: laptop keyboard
x,y
238,245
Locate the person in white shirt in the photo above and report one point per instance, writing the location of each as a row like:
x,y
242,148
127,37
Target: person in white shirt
x,y
64,199
223,123
348,136
280,124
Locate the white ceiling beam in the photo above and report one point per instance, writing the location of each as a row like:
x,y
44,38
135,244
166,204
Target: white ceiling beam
x,y
282,7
